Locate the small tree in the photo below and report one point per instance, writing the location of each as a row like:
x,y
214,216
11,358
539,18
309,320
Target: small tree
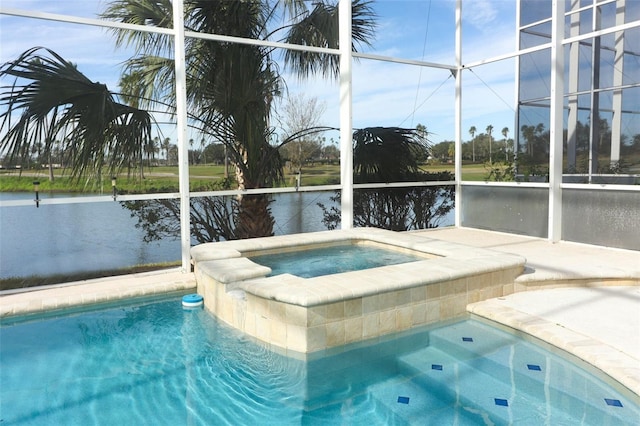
x,y
215,153
212,218
300,113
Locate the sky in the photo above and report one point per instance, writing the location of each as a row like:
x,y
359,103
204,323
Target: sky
x,y
384,94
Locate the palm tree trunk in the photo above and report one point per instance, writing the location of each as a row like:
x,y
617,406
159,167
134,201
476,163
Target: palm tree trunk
x,y
50,168
254,217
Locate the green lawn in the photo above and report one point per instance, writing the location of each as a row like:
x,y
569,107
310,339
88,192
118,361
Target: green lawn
x,y
202,177
472,172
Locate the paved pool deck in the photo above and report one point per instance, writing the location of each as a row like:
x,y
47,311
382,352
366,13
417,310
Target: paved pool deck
x,y
106,291
584,299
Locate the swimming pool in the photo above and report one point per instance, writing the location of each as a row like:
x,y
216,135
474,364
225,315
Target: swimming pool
x,y
155,363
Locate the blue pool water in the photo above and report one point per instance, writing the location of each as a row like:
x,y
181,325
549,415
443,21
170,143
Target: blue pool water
x,y
332,260
157,364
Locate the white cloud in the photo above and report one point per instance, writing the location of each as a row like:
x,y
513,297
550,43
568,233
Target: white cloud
x,y
389,95
384,93
480,13
83,8
92,49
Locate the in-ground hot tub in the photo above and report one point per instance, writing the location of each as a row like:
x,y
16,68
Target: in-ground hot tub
x,y
321,259
310,314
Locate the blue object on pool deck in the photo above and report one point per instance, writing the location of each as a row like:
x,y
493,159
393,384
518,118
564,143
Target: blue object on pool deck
x,y
192,301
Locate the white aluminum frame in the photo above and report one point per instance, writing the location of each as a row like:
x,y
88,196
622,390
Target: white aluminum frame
x,y
346,185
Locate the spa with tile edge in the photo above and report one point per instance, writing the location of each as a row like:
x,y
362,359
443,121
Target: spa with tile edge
x,y
310,314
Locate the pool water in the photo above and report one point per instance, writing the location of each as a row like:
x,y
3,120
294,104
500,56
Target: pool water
x,y
332,260
155,363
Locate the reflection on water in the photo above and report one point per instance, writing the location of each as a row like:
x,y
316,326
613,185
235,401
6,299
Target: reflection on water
x,y
156,363
332,260
67,238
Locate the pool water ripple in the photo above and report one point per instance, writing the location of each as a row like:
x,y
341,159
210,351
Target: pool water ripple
x,y
332,260
156,363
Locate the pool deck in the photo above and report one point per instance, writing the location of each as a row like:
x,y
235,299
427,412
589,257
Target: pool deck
x,y
109,290
584,299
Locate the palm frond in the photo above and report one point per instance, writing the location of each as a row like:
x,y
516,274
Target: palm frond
x,y
55,100
156,13
387,154
319,28
149,80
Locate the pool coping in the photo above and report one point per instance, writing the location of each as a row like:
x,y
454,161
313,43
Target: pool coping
x,y
307,315
59,297
226,263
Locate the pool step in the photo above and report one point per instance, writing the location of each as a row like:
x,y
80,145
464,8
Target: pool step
x,y
469,339
444,379
528,367
461,394
500,368
411,402
430,394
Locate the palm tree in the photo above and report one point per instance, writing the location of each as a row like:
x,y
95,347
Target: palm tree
x,y
392,154
150,149
166,145
489,130
505,133
54,100
387,154
230,86
202,150
528,133
472,132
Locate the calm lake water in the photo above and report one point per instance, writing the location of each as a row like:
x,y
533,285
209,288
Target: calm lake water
x,y
55,239
59,239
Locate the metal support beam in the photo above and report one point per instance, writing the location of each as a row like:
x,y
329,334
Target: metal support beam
x,y
516,120
555,123
183,144
594,134
574,66
346,115
618,67
458,116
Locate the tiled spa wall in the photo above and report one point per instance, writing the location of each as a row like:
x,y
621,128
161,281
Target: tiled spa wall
x,y
309,329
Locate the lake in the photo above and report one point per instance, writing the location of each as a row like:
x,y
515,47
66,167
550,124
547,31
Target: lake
x,y
79,237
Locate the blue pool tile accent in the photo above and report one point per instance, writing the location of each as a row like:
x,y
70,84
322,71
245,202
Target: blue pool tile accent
x,y
613,402
534,367
436,367
501,402
403,400
467,339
